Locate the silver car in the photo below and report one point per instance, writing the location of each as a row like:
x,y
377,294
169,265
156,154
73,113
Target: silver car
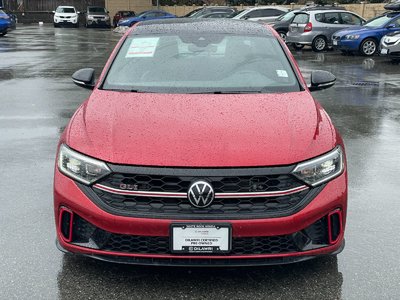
x,y
390,45
261,13
315,28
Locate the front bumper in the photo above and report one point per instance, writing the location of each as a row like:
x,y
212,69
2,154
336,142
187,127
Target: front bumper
x,y
346,45
70,21
98,22
67,195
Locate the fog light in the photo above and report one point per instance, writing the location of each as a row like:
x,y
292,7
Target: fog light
x,y
334,226
66,219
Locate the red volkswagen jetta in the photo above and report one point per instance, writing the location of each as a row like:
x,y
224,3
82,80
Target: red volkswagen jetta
x,y
201,145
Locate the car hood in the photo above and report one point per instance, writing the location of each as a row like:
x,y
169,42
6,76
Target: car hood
x,y
65,14
394,34
200,130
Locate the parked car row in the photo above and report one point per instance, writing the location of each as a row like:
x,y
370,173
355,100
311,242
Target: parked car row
x,y
95,16
259,13
340,29
7,22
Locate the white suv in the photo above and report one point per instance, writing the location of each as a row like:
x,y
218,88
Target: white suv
x,y
66,15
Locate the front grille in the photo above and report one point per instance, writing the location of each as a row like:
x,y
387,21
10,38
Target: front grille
x,y
239,193
221,184
224,208
87,235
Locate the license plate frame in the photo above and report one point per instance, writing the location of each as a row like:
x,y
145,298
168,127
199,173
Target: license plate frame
x,y
203,242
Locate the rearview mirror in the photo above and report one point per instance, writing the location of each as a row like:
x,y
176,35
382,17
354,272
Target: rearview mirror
x,y
321,80
84,78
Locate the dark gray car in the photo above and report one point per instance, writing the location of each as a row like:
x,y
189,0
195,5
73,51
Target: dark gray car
x,y
315,28
97,16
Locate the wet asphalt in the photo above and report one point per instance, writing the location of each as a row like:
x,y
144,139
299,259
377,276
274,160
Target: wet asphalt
x,y
37,98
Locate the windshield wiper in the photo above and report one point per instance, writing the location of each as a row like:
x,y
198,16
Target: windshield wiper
x,y
128,90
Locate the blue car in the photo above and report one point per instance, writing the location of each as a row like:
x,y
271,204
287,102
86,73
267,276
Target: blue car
x,y
366,39
5,23
145,16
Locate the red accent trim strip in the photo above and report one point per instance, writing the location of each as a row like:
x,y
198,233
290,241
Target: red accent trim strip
x,y
217,195
261,194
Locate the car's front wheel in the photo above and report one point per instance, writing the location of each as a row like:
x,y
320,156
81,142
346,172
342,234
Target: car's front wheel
x,y
319,44
368,47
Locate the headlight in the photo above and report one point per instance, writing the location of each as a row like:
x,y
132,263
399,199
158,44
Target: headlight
x,y
90,18
321,169
80,167
107,17
352,37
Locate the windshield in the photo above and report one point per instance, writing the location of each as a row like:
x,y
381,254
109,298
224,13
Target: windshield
x,y
201,63
235,13
378,22
2,12
286,17
142,13
66,10
192,13
96,10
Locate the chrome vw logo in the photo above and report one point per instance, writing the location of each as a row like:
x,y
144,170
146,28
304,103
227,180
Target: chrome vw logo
x,y
201,194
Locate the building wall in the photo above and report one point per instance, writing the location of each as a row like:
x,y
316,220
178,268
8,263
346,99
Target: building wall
x,y
136,5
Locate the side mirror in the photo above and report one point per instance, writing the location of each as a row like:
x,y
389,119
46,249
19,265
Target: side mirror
x,y
84,78
245,17
390,26
144,17
321,80
53,12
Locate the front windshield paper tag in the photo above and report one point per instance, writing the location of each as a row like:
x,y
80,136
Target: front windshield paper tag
x,y
142,47
281,73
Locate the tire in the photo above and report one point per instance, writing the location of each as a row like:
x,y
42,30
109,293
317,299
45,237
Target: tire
x,y
55,25
368,47
319,43
3,33
297,46
282,35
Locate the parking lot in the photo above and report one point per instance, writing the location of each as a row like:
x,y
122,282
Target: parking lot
x,y
37,100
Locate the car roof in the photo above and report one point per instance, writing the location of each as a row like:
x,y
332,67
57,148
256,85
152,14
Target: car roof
x,y
65,6
267,6
154,10
321,11
190,25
